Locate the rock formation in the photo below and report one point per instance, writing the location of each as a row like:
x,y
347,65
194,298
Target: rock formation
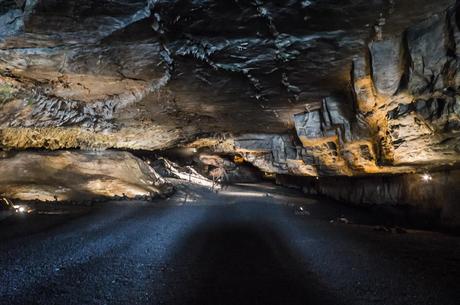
x,y
403,115
151,74
77,176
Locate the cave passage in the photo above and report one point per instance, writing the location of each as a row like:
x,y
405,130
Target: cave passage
x,y
229,152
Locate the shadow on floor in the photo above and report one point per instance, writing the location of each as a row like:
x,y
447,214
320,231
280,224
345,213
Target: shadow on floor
x,y
240,264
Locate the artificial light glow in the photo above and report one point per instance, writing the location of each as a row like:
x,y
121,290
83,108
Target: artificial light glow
x,y
21,209
427,177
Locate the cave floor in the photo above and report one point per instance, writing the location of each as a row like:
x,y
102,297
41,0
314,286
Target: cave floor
x,y
248,244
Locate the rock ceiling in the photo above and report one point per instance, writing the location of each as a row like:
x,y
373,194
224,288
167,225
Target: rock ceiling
x,y
151,74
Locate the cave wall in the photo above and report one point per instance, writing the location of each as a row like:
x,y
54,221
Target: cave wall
x,y
432,197
109,79
77,176
402,114
401,120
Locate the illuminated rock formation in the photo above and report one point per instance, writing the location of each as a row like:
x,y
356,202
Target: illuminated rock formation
x,y
151,74
404,115
77,176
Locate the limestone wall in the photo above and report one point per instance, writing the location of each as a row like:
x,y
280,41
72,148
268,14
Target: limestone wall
x,y
76,175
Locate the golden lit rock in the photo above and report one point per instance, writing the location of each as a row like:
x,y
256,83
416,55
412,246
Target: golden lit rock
x,y
73,175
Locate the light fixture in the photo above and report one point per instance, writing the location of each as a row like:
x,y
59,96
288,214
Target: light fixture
x,y
427,177
21,209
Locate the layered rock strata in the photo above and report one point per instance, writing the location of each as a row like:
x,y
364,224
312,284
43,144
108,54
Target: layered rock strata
x,y
77,176
428,199
151,74
404,114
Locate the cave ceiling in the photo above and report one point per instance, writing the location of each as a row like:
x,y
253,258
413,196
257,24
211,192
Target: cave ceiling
x,y
160,71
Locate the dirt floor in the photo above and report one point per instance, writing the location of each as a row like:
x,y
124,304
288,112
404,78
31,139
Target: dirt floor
x,y
248,244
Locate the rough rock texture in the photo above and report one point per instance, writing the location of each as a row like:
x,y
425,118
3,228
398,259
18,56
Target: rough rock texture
x,y
436,197
419,122
387,65
225,170
148,74
186,173
270,153
73,175
403,115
